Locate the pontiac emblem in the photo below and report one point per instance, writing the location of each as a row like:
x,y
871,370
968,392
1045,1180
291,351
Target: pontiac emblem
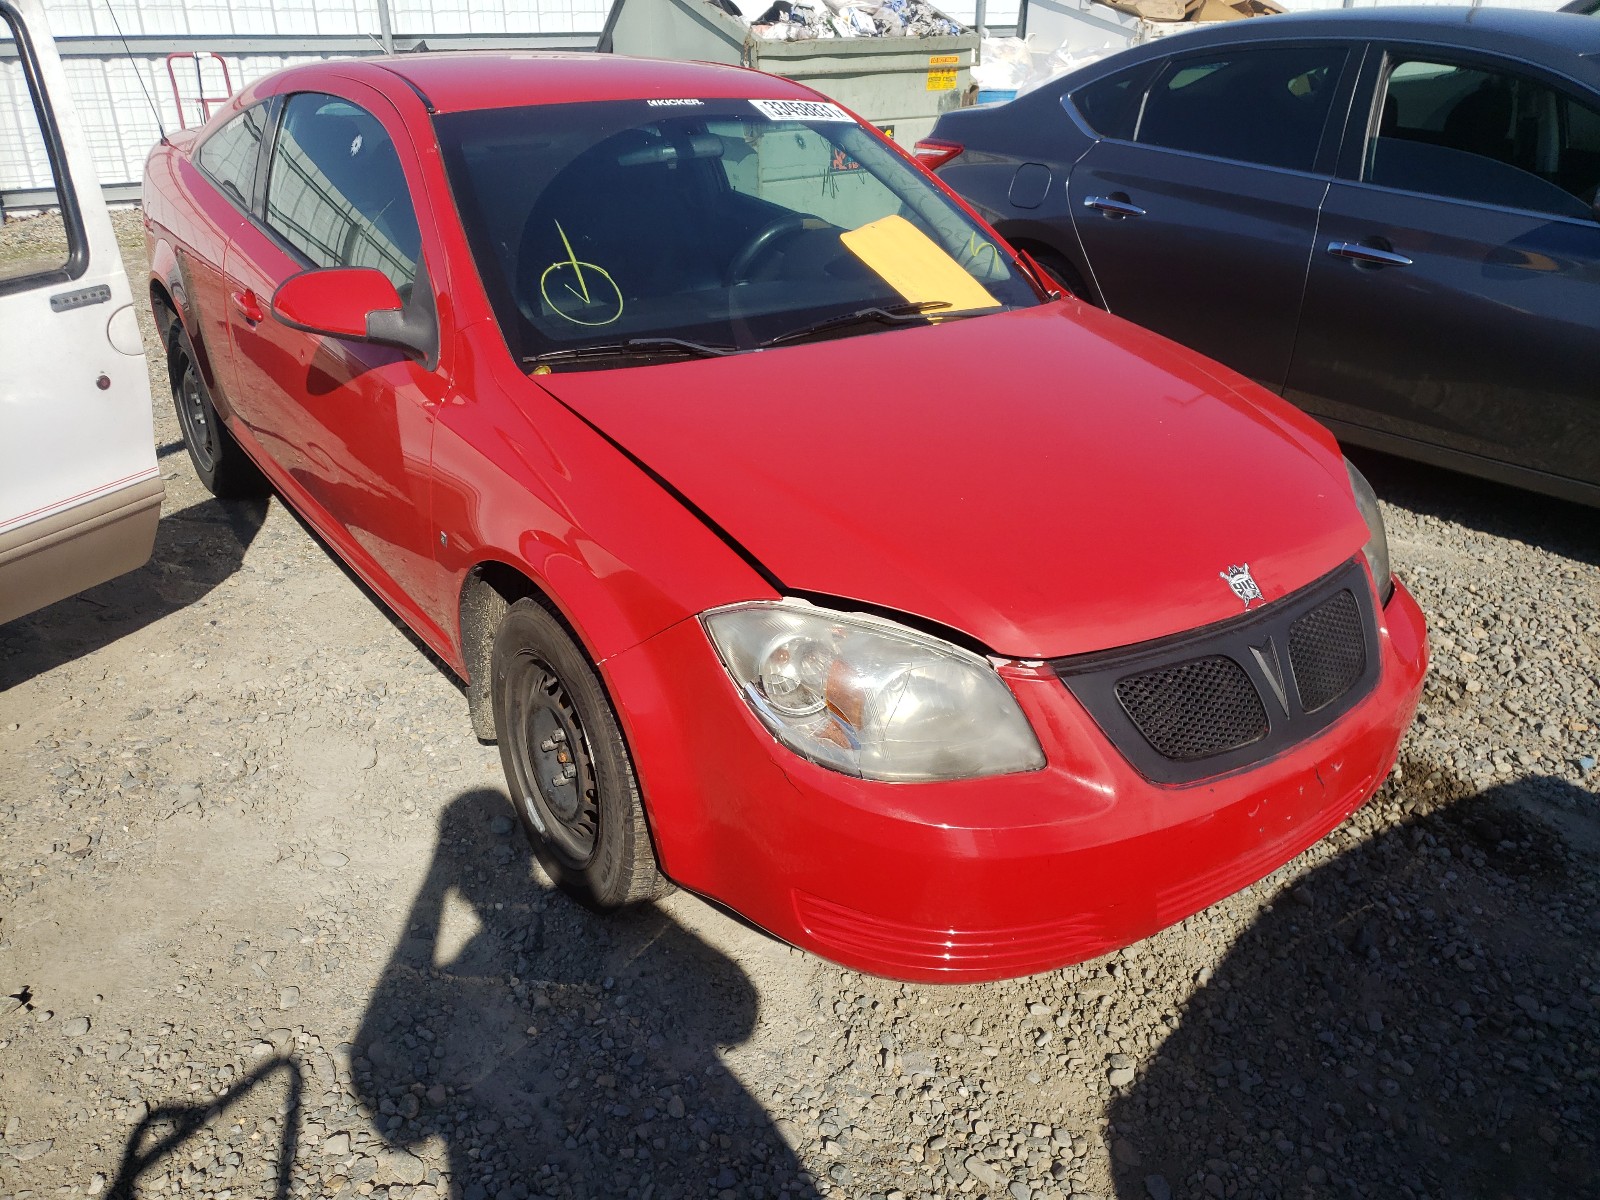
x,y
1244,587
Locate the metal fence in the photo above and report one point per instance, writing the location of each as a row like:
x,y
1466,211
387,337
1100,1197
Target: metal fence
x,y
116,57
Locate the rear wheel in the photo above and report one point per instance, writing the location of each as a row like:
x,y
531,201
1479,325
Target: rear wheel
x,y
571,779
222,465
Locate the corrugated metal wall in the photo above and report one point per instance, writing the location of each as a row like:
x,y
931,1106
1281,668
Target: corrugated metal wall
x,y
259,36
175,18
255,37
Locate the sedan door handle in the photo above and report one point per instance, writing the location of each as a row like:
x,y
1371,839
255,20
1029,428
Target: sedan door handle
x,y
249,306
1113,207
1371,256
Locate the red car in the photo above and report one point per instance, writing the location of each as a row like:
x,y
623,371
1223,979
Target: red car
x,y
798,547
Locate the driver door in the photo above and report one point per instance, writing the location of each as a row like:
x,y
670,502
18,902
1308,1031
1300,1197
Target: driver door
x,y
351,424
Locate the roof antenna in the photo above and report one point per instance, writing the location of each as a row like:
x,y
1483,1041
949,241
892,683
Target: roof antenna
x,y
138,74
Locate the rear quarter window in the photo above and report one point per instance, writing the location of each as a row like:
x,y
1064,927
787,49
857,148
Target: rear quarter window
x,y
228,156
1110,106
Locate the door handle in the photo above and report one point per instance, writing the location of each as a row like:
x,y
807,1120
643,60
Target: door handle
x,y
1370,256
249,306
1113,206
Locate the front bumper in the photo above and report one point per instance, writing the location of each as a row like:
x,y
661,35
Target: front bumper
x,y
988,878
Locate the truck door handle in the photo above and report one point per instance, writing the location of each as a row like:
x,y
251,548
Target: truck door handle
x,y
249,306
1371,256
1114,206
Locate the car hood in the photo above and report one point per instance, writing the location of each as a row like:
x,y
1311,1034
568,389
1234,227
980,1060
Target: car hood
x,y
1049,481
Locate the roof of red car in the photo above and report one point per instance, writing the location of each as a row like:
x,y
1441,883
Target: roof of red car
x,y
461,80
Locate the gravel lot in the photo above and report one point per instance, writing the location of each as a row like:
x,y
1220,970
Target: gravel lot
x,y
268,931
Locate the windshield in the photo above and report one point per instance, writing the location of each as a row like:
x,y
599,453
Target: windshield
x,y
720,224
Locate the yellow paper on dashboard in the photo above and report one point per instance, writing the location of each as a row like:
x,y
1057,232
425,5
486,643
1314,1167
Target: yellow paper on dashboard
x,y
915,265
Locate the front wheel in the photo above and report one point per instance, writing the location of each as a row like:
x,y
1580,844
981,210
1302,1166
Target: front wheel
x,y
567,765
1063,273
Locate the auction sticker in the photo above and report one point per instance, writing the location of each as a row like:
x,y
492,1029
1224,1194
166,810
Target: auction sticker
x,y
802,110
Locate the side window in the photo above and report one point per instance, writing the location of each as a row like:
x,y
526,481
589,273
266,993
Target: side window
x,y
1110,106
46,245
336,191
1494,137
1265,106
228,156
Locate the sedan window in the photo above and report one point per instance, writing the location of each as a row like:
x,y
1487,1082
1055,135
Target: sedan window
x,y
1266,106
337,192
33,143
1486,136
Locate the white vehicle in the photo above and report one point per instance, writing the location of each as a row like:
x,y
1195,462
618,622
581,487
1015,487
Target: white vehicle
x,y
79,490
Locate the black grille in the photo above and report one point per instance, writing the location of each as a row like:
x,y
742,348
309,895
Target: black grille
x,y
1327,651
1202,703
1194,709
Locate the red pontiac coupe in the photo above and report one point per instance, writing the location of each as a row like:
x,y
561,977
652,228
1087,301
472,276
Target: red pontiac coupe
x,y
797,545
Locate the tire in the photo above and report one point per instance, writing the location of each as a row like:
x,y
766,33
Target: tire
x,y
1063,272
220,462
572,782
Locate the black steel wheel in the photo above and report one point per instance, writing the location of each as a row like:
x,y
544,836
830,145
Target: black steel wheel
x,y
222,465
566,763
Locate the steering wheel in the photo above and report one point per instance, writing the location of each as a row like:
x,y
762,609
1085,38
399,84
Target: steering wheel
x,y
760,242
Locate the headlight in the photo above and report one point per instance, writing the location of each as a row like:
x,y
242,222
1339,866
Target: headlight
x,y
1377,547
871,698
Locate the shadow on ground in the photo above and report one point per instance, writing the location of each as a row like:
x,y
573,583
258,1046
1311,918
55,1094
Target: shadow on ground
x,y
161,1135
1418,1017
519,1047
555,1052
1558,526
196,549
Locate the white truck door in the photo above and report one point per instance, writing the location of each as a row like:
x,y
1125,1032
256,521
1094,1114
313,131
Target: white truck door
x,y
79,491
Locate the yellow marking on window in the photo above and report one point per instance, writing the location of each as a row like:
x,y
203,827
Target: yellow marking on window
x,y
915,265
609,307
572,257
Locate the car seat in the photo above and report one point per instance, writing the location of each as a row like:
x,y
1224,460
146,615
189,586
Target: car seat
x,y
1480,123
641,206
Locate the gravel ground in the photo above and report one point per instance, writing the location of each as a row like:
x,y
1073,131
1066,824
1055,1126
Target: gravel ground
x,y
268,930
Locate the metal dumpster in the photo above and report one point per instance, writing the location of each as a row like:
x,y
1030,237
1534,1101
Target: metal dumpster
x,y
900,84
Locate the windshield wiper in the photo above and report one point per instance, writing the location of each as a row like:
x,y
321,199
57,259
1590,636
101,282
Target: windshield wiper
x,y
894,314
632,346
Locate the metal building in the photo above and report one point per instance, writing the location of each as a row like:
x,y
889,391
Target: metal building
x,y
125,57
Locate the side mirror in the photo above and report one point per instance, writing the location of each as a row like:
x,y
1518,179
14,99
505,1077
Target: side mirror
x,y
355,304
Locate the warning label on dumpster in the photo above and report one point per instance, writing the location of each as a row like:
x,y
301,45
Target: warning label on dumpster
x,y
942,72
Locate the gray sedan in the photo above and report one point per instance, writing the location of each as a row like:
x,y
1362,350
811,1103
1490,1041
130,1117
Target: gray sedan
x,y
1388,216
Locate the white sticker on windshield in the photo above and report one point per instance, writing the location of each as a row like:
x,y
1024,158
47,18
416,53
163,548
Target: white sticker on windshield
x,y
802,110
